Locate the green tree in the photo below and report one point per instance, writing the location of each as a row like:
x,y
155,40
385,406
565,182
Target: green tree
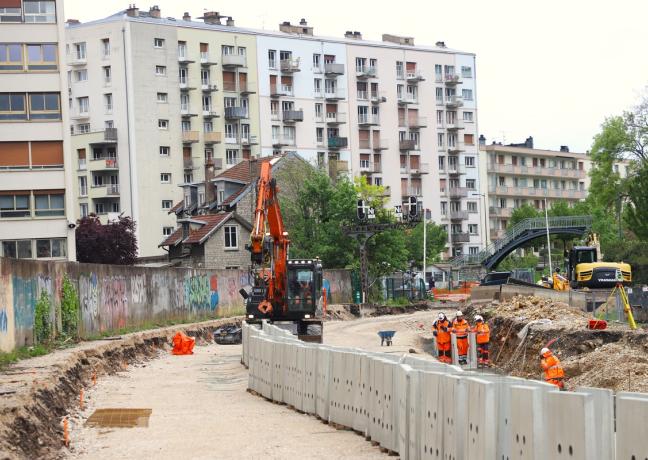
x,y
69,309
636,211
435,243
512,261
525,211
608,147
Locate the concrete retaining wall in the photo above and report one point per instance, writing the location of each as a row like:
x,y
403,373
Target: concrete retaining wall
x,y
112,297
508,291
423,409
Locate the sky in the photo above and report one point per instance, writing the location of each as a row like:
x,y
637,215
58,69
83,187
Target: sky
x,y
549,69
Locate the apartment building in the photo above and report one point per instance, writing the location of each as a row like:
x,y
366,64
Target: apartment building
x,y
153,101
36,218
159,103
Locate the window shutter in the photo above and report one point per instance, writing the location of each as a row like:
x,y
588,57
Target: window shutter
x,y
47,153
14,154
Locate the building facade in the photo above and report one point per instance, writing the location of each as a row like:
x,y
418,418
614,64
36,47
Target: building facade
x,y
36,206
157,102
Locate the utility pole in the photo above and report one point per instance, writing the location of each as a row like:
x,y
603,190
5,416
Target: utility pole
x,y
424,242
548,240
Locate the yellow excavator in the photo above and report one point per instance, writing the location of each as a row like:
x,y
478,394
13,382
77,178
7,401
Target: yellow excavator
x,y
586,270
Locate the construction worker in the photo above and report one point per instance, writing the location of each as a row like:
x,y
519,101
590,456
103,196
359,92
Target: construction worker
x,y
560,283
482,332
441,330
460,329
553,371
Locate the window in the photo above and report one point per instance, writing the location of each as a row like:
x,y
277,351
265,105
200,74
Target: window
x,y
105,47
15,205
49,204
317,61
182,50
165,151
42,57
40,11
165,178
167,204
163,97
83,186
400,73
188,178
83,128
158,42
55,247
467,94
231,237
107,74
45,106
440,140
319,110
208,126
83,209
272,59
469,139
438,72
163,124
12,106
166,231
319,134
11,13
205,78
439,95
80,75
84,104
470,162
242,51
468,116
473,250
470,184
108,102
80,51
11,55
472,206
466,72
231,157
21,249
160,70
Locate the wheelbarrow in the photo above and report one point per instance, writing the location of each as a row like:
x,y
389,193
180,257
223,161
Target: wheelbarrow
x,y
386,336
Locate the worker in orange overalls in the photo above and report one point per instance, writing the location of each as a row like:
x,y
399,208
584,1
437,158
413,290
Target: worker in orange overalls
x,y
482,332
460,329
441,330
553,371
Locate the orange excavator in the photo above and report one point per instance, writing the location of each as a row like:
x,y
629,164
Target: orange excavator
x,y
284,291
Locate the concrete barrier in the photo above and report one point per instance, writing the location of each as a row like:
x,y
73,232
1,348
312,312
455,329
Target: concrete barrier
x,y
423,409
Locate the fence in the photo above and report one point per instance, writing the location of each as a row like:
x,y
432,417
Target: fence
x,y
423,409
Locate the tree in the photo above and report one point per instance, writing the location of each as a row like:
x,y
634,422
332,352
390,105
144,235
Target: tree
x,y
513,261
113,243
636,211
435,243
525,211
609,146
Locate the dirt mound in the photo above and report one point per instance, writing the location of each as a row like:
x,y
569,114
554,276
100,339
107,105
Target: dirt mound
x,y
529,308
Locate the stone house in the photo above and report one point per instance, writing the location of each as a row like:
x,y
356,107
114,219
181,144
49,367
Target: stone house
x,y
215,218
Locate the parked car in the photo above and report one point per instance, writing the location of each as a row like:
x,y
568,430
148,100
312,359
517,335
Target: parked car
x,y
495,278
228,335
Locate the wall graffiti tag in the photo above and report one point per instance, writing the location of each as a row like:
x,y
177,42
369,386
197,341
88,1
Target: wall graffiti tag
x,y
114,300
89,301
138,288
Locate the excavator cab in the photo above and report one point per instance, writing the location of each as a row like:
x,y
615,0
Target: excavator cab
x,y
304,287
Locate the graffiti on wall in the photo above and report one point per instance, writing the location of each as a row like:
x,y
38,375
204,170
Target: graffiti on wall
x,y
114,302
89,300
138,288
201,292
24,293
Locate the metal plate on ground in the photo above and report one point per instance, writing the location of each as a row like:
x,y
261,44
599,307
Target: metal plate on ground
x,y
119,418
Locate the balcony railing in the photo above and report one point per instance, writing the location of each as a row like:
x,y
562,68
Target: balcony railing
x,y
333,69
407,144
457,192
378,97
335,118
368,119
236,113
188,163
456,168
365,71
205,59
233,60
461,237
537,170
422,168
414,191
451,79
291,116
458,215
417,122
334,94
290,65
457,147
454,101
281,90
363,95
500,212
454,125
110,134
539,192
337,142
208,87
112,189
282,141
190,137
380,144
213,137
365,144
414,76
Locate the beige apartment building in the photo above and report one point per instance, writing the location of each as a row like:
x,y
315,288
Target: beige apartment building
x,y
36,217
160,103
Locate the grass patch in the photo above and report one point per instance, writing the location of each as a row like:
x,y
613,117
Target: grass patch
x,y
22,353
398,302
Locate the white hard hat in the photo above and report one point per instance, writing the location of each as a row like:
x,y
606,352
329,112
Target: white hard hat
x,y
441,315
459,313
479,318
544,350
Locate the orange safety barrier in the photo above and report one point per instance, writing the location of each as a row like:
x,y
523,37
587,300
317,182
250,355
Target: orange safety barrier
x,y
183,344
456,295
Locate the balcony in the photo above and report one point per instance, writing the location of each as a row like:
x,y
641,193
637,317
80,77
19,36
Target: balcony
x,y
407,144
281,90
453,102
334,94
495,211
104,191
362,95
497,234
183,59
537,170
107,136
454,125
290,65
380,144
567,194
404,99
209,112
378,97
206,60
208,87
103,164
458,147
233,60
282,141
189,137
80,116
461,238
414,76
291,116
236,113
186,112
458,215
184,85
333,69
363,72
422,168
247,88
368,120
318,94
457,192
247,140
77,60
414,191
386,191
417,122
336,142
335,118
213,137
451,79
456,169
188,163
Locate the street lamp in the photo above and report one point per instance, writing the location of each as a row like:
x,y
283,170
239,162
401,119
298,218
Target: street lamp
x,y
483,200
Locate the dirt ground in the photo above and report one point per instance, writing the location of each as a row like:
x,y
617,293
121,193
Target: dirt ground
x,y
201,410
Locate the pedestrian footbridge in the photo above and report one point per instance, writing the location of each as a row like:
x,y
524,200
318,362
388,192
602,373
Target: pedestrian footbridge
x,y
520,234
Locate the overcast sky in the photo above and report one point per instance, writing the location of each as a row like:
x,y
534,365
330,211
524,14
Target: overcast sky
x,y
550,69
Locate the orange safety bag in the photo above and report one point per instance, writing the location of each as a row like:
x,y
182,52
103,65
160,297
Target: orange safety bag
x,y
183,344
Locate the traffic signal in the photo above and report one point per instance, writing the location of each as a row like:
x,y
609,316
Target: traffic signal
x,y
413,207
362,215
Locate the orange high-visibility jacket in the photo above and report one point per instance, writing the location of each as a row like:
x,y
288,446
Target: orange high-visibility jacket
x,y
551,366
460,328
441,331
483,332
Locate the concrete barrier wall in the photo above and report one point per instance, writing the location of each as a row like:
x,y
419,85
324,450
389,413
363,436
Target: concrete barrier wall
x,y
572,298
423,409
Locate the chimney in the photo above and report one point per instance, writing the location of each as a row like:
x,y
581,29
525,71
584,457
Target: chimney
x,y
349,34
72,22
398,39
303,22
302,28
230,21
357,35
211,17
154,12
132,11
564,148
186,16
440,44
482,139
